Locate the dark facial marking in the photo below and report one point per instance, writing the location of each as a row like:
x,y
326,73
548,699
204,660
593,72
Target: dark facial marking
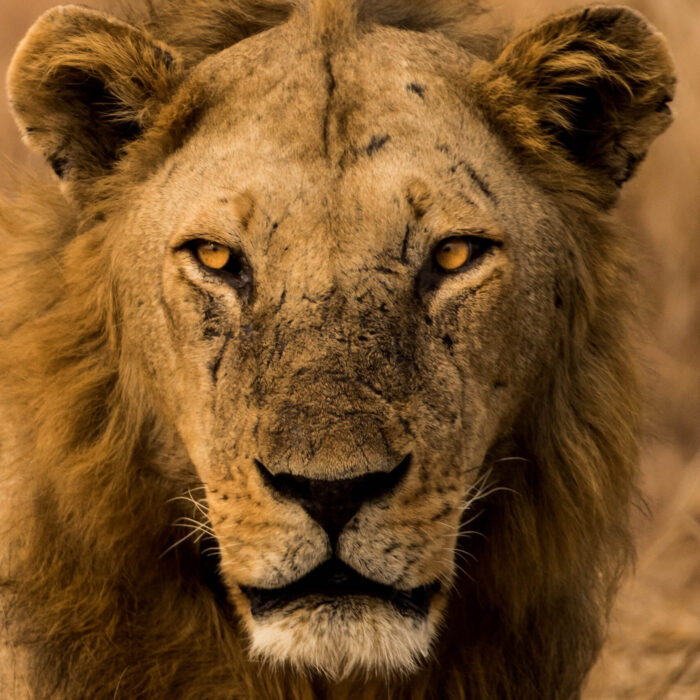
x,y
478,181
327,113
280,303
216,364
169,317
404,245
376,143
418,89
213,314
468,200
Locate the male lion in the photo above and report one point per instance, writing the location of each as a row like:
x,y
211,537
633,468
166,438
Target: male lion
x,y
316,368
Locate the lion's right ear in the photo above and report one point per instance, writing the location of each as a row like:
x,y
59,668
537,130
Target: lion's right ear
x,y
83,85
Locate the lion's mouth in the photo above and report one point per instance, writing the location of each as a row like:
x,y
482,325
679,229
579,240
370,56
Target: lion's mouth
x,y
333,580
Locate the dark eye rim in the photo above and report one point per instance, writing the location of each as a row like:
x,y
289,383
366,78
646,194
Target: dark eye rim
x,y
431,275
237,272
478,247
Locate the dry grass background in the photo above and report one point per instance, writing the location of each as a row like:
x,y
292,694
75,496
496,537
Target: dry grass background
x,y
653,652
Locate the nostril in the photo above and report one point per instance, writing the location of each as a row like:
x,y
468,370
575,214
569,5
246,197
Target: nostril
x,y
284,484
332,503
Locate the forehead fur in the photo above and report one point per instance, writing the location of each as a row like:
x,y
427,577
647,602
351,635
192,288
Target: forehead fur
x,y
202,27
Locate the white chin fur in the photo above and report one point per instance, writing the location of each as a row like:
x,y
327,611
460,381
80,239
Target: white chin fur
x,y
343,638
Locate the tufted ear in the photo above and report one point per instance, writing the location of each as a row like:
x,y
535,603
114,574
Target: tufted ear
x,y
83,85
590,86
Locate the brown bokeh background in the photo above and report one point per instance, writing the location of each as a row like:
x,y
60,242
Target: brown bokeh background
x,y
653,652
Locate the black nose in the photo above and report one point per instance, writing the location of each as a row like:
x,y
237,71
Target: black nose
x,y
332,503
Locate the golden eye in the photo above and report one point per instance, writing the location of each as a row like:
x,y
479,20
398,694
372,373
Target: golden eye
x,y
453,253
212,254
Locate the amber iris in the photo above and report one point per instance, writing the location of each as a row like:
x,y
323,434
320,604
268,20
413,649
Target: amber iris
x,y
453,253
213,255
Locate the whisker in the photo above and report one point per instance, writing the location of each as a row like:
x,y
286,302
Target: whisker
x,y
463,552
460,568
195,530
186,518
211,550
472,532
464,523
189,499
486,494
187,496
457,551
175,544
204,510
511,459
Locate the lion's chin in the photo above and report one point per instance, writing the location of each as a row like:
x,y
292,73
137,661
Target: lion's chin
x,y
343,637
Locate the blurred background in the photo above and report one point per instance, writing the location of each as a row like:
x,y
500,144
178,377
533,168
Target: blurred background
x,y
653,651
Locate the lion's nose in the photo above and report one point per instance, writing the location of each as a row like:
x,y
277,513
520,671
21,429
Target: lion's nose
x,y
331,503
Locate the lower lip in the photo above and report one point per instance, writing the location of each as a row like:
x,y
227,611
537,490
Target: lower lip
x,y
335,581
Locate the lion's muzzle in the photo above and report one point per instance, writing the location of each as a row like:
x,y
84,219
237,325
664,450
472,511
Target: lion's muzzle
x,y
334,616
332,503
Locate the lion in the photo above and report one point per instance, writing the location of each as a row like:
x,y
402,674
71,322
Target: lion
x,y
317,352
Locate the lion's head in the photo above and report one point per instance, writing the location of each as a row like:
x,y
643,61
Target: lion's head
x,y
350,289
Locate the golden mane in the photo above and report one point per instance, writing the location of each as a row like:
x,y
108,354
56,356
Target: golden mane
x,y
95,567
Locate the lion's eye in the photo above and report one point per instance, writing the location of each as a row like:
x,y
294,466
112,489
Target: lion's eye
x,y
212,254
224,263
453,253
457,252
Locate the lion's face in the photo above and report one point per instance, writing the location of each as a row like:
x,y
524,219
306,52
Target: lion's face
x,y
337,384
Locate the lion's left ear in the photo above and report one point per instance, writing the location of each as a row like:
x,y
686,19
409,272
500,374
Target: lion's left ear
x,y
83,85
591,85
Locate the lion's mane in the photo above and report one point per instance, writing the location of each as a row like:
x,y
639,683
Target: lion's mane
x,y
107,607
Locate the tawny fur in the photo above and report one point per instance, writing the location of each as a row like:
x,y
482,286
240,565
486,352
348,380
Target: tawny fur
x,y
99,591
